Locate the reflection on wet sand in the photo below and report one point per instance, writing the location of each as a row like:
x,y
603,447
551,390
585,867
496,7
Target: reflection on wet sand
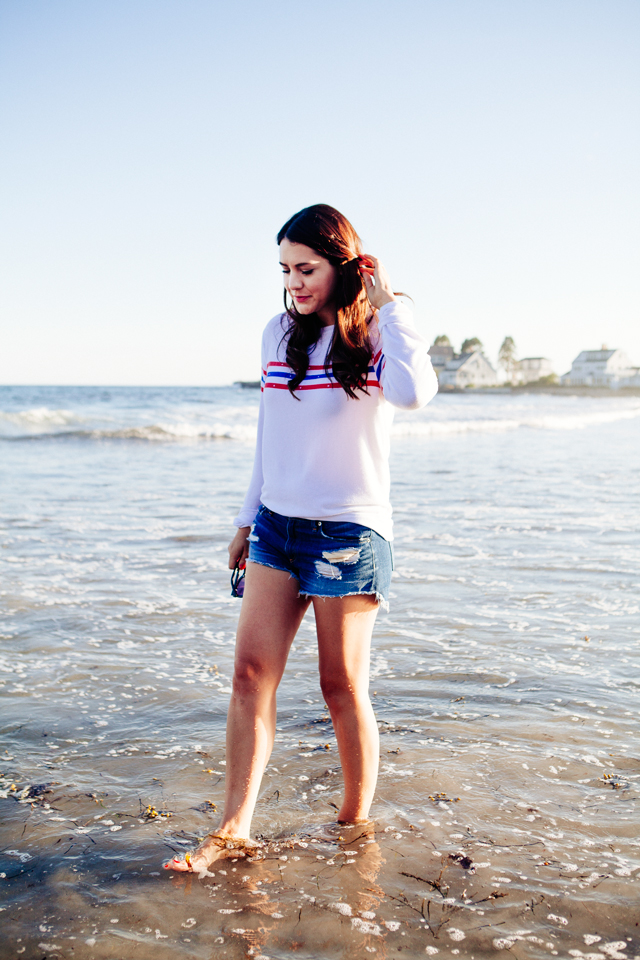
x,y
334,868
451,883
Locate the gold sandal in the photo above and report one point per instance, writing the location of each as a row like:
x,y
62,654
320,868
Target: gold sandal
x,y
224,842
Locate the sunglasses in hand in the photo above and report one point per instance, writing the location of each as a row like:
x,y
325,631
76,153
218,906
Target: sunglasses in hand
x,y
237,581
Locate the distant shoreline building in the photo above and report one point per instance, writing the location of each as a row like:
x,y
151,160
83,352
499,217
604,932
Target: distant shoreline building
x,y
532,369
440,357
602,368
467,370
591,368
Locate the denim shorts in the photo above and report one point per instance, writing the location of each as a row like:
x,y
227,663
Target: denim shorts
x,y
328,558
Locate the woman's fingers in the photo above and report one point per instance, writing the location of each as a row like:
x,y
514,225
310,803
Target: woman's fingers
x,y
238,559
367,265
378,269
239,547
376,281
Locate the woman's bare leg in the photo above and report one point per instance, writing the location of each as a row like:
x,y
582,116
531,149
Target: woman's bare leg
x,y
268,625
345,625
269,620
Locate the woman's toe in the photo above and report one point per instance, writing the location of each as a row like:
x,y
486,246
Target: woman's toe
x,y
180,866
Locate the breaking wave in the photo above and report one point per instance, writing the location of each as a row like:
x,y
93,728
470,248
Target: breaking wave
x,y
434,428
156,432
167,432
231,422
40,417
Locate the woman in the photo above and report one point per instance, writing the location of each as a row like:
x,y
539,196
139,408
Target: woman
x,y
315,526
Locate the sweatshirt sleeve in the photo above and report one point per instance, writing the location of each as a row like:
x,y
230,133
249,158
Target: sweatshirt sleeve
x,y
403,363
251,503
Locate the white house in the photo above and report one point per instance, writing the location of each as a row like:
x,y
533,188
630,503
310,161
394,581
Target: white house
x,y
599,368
531,369
633,380
468,370
440,357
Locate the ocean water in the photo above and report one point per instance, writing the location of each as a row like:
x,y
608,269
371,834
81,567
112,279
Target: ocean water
x,y
505,679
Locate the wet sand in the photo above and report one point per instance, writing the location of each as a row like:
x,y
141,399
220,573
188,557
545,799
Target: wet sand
x,y
455,861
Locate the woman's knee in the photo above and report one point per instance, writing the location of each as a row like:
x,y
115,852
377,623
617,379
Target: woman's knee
x,y
341,691
252,675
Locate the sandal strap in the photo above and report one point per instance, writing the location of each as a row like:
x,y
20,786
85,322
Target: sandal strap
x,y
225,842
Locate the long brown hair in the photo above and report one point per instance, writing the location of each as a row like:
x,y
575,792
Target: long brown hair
x,y
330,234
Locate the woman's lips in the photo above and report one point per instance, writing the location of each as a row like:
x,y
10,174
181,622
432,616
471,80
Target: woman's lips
x,y
301,299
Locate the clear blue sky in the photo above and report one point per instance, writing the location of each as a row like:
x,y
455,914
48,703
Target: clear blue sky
x,y
486,150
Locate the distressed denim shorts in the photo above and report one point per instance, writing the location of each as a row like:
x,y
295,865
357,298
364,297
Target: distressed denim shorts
x,y
328,558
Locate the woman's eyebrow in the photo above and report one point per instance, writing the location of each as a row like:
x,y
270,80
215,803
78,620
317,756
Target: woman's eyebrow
x,y
305,263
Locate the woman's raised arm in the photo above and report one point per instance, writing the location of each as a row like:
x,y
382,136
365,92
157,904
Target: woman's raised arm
x,y
406,375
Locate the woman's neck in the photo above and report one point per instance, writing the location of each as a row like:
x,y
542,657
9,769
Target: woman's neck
x,y
327,315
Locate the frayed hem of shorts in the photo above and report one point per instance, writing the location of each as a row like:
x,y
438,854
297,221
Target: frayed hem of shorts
x,y
380,600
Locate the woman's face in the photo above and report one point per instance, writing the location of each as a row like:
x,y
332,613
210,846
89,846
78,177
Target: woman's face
x,y
309,279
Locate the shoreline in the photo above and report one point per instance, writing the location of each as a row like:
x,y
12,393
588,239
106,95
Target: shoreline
x,y
555,390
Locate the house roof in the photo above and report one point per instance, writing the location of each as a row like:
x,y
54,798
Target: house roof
x,y
463,358
441,350
595,356
457,362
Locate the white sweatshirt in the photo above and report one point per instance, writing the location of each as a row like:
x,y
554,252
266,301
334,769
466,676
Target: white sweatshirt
x,y
324,456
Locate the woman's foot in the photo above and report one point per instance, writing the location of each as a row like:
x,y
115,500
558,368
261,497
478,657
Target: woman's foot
x,y
338,830
214,847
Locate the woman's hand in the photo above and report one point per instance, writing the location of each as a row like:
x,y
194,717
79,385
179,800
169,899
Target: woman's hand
x,y
376,281
239,549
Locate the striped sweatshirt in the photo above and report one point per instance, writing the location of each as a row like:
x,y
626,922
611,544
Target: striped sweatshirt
x,y
324,456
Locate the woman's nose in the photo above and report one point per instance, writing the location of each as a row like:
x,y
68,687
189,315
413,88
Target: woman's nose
x,y
295,281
